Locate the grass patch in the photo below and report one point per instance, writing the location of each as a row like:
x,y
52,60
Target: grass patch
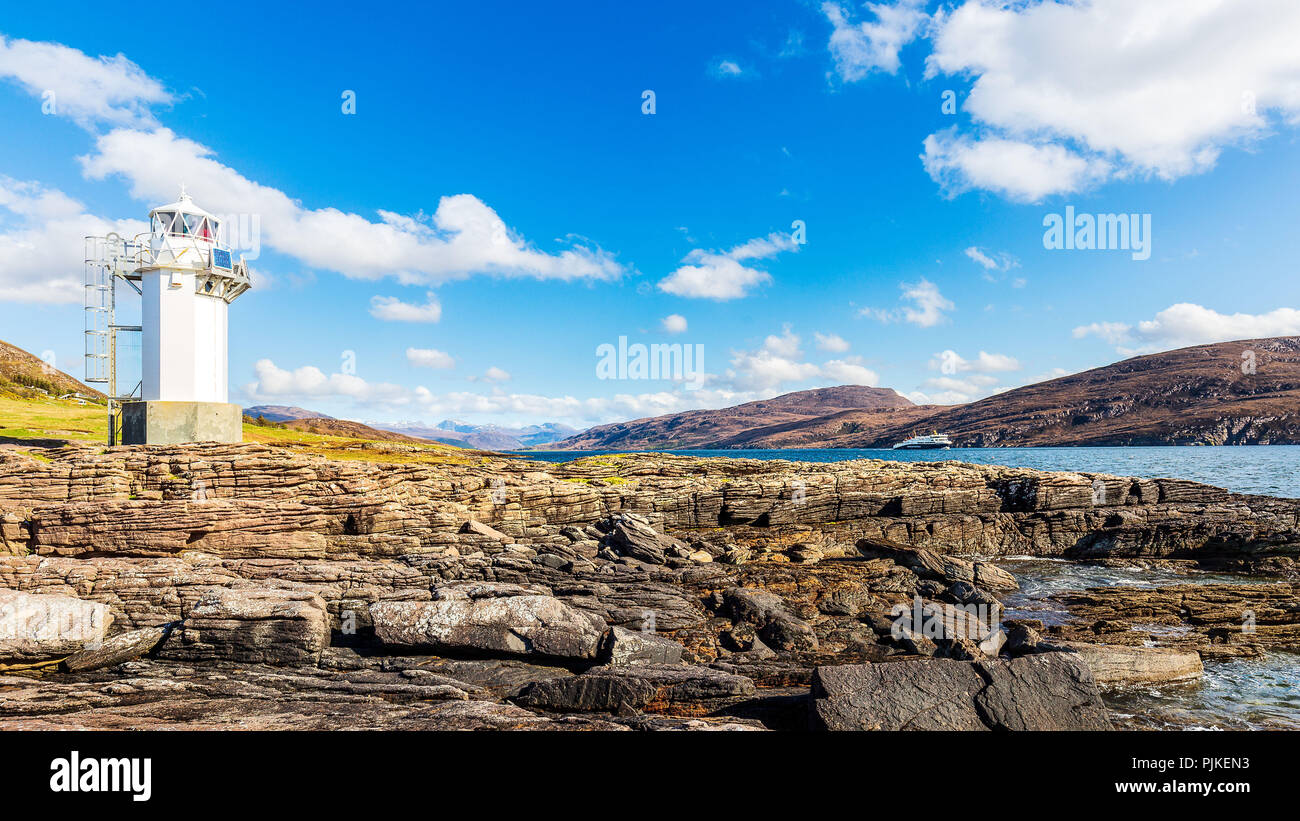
x,y
349,448
46,418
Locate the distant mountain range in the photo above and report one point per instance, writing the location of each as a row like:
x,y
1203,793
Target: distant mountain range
x,y
1230,393
481,437
448,431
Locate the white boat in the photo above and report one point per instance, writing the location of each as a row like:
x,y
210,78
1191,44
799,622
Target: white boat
x,y
935,441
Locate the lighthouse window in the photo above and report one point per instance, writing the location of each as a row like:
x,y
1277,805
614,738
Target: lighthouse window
x,y
163,222
191,224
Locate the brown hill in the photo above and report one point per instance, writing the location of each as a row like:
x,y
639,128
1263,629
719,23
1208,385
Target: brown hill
x,y
1195,395
731,427
26,376
1187,396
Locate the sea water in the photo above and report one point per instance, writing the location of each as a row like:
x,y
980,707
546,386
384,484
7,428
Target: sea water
x,y
1271,470
1233,694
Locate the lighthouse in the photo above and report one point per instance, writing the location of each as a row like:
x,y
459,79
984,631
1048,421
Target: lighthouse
x,y
186,278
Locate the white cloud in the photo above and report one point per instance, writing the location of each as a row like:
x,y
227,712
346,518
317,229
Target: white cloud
x,y
951,362
947,390
778,363
927,308
999,261
41,254
584,410
787,344
1050,374
88,90
793,45
833,343
491,375
1116,333
463,236
310,385
674,324
592,410
1187,324
1018,170
849,372
260,278
392,309
873,45
721,275
775,363
1068,94
765,372
308,381
726,68
941,397
429,358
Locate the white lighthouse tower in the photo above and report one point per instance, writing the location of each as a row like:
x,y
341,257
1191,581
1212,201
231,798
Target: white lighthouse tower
x,y
186,278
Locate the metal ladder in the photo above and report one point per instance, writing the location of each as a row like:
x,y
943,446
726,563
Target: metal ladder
x,y
106,259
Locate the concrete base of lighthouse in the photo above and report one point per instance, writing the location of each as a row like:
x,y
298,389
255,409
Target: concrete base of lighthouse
x,y
174,423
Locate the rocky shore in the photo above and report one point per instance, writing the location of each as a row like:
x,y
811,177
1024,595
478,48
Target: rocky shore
x,y
251,587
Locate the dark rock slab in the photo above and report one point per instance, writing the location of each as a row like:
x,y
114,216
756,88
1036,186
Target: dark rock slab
x,y
1051,691
930,694
677,689
1044,692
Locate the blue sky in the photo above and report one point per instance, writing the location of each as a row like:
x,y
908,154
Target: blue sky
x,y
499,205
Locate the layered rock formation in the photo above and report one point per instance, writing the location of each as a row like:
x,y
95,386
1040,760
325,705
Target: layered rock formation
x,y
251,587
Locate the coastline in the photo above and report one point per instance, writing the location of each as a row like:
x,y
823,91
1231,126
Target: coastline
x,y
1255,469
648,592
